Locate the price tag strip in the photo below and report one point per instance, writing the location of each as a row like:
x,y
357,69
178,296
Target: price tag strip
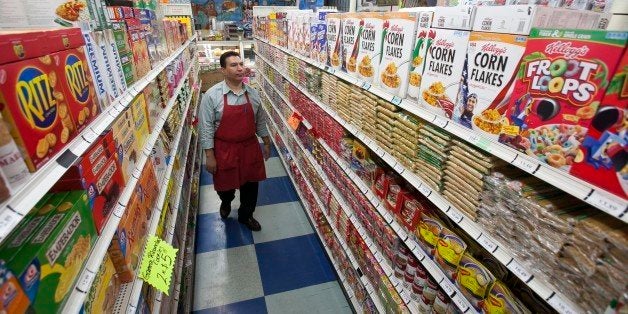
x,y
519,271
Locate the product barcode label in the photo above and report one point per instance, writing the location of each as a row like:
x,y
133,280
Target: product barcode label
x,y
85,282
560,305
610,206
396,100
487,243
8,220
526,164
519,271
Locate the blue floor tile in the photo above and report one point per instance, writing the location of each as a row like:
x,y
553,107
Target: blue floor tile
x,y
206,177
276,190
257,305
292,263
214,233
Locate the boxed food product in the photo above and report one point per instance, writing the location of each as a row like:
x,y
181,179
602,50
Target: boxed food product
x,y
321,37
457,17
604,146
102,47
104,190
445,62
124,138
474,280
399,36
140,120
115,58
96,65
49,264
428,230
369,46
487,82
419,53
558,90
14,298
350,41
104,291
334,40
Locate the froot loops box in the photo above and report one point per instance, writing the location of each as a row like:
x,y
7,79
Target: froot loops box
x,y
560,83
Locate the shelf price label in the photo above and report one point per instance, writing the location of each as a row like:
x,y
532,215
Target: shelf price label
x,y
158,263
455,215
85,283
472,138
399,168
460,302
560,305
441,122
366,85
487,243
8,220
396,100
526,164
447,287
425,190
610,206
519,271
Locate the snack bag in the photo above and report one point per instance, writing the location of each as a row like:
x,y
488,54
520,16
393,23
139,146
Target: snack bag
x,y
369,52
558,90
449,250
499,300
474,280
399,36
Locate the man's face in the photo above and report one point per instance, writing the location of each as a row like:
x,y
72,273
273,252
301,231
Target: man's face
x,y
234,69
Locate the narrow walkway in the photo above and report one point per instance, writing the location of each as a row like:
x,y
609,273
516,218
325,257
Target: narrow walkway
x,y
281,269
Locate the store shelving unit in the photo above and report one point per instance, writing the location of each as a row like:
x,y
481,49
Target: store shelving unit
x,y
551,295
97,254
595,196
13,210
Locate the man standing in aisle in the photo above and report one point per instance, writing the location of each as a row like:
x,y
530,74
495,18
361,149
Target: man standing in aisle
x,y
230,118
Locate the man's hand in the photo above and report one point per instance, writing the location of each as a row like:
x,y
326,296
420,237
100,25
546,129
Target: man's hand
x,y
266,151
210,162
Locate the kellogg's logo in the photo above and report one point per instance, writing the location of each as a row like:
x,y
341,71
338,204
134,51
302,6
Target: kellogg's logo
x,y
565,49
35,95
77,80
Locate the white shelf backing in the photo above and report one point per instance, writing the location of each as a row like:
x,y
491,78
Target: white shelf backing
x,y
593,195
97,254
343,280
560,302
129,297
13,210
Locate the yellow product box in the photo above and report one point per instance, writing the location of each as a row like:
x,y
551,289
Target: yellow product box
x,y
140,120
124,138
49,264
102,296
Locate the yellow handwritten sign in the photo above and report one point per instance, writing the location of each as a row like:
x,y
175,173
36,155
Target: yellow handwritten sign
x,y
158,263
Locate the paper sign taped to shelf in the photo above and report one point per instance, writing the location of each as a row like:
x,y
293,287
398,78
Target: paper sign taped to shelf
x,y
610,206
294,121
560,305
158,263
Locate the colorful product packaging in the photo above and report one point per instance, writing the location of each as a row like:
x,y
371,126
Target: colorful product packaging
x,y
449,250
419,53
370,46
559,87
350,41
399,36
604,145
334,40
49,264
487,83
97,69
456,17
428,231
321,37
124,138
14,299
474,280
140,120
445,61
104,291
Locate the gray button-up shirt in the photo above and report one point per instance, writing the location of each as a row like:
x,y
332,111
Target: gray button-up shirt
x,y
212,106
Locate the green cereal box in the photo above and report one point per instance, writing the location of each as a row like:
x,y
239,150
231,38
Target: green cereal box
x,y
51,261
31,223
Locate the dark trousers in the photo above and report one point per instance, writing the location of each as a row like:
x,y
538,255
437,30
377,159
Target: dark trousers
x,y
248,199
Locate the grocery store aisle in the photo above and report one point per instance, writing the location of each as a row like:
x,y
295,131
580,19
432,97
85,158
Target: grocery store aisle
x,y
281,269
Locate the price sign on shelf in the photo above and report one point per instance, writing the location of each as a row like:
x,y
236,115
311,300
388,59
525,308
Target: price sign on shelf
x,y
460,302
366,85
85,282
487,243
396,100
447,287
441,122
455,215
600,201
158,263
560,305
472,137
8,220
519,271
425,190
294,121
526,164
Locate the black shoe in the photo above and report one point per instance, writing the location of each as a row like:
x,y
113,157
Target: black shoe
x,y
225,210
252,224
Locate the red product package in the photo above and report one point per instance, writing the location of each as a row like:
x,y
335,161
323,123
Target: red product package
x,y
558,88
604,146
395,195
380,187
409,211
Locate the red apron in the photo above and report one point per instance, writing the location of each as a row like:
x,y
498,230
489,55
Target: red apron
x,y
239,157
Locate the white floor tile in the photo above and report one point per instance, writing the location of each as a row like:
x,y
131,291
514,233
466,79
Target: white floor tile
x,y
274,168
323,298
280,221
210,202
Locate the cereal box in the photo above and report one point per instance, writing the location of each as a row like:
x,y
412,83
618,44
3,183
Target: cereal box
x,y
487,82
104,291
350,41
605,144
445,61
140,120
370,46
399,36
458,17
49,264
334,40
419,53
559,87
474,280
79,94
30,96
321,37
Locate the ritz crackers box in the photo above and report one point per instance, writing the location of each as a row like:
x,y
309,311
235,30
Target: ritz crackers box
x,y
559,87
604,146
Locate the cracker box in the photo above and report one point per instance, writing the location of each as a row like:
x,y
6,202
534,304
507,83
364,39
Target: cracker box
x,y
79,94
369,46
124,138
458,17
104,291
445,61
49,264
140,120
334,40
399,36
103,191
14,300
487,82
115,58
350,41
97,70
605,144
419,53
559,87
102,46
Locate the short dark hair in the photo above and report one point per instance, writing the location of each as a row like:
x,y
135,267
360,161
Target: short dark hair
x,y
224,56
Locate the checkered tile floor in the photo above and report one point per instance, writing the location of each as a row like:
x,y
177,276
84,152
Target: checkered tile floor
x,y
281,269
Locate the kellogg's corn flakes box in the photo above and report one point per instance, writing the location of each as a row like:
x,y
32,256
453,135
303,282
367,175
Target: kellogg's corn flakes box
x,y
399,36
487,82
49,264
334,40
350,41
370,45
560,83
419,53
446,56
